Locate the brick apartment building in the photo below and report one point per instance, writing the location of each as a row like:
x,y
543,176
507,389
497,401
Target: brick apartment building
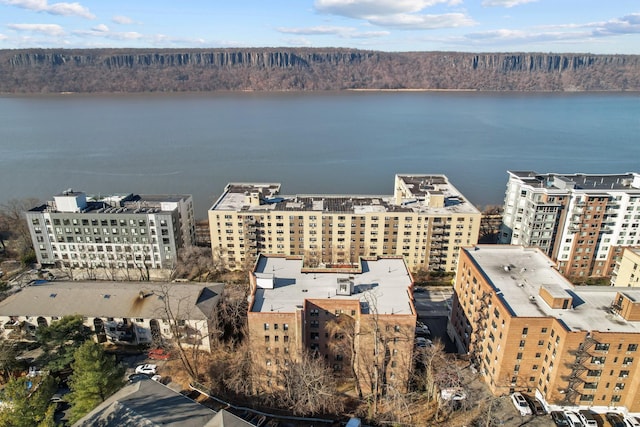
x,y
528,328
358,317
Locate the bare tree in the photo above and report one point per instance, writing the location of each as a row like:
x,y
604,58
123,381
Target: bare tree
x,y
187,337
13,224
308,386
198,263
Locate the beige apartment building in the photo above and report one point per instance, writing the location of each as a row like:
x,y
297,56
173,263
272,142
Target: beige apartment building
x,y
426,221
627,270
529,329
582,221
358,319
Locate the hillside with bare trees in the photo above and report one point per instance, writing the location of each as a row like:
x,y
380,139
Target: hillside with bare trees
x,y
306,69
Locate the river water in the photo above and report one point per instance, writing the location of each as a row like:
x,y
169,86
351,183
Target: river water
x,y
338,143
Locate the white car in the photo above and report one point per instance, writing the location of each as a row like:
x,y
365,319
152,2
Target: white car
x,y
521,404
147,369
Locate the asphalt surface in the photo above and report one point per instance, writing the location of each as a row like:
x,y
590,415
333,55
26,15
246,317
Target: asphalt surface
x,y
433,306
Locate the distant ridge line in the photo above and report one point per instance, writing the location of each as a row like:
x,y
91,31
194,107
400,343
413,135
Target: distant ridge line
x,y
29,71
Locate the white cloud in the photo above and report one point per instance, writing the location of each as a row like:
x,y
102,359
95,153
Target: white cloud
x,y
561,33
48,29
365,8
122,20
66,9
402,14
629,24
423,22
104,32
3,37
344,32
102,28
505,3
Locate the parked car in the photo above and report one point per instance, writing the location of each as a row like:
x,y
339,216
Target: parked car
x,y
422,342
521,404
158,354
632,421
616,420
535,405
573,419
587,418
559,418
422,329
147,369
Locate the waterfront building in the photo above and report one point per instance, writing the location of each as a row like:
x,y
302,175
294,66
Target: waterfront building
x,y
582,221
527,328
426,221
125,313
120,235
627,270
358,319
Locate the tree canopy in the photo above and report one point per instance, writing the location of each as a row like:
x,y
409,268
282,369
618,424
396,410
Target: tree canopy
x,y
96,376
27,402
60,339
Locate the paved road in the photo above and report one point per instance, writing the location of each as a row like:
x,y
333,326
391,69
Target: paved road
x,y
433,302
433,305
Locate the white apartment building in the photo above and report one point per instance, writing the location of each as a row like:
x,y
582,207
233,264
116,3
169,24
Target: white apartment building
x,y
120,232
581,221
426,220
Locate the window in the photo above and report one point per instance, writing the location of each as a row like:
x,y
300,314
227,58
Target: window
x,y
525,331
266,326
594,372
602,347
627,361
632,347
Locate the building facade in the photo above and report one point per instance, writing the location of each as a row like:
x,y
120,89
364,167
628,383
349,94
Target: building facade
x,y
627,270
116,233
581,221
529,329
126,313
426,221
360,320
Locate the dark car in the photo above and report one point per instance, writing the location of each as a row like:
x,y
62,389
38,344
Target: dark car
x,y
535,405
614,419
559,418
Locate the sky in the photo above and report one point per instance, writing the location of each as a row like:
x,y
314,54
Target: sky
x,y
585,26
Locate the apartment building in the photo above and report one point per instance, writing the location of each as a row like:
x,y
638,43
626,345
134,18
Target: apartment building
x,y
426,221
529,329
112,233
125,313
627,270
356,318
582,221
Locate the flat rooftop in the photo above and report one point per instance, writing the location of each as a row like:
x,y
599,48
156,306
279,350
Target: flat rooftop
x,y
384,282
580,181
118,203
234,198
517,273
111,299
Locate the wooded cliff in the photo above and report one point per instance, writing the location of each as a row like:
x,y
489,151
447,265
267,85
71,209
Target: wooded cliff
x,y
308,69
